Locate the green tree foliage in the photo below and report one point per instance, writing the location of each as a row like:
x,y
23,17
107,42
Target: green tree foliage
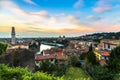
x,y
3,47
114,60
111,71
90,48
74,61
34,46
91,58
8,73
15,58
52,68
101,73
117,76
47,66
83,55
75,73
115,53
61,71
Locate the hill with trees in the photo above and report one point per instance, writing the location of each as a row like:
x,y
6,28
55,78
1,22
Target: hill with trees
x,y
99,36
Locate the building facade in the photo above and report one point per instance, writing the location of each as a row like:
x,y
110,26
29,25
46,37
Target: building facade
x,y
109,44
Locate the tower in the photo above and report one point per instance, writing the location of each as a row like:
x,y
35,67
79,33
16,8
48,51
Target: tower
x,y
13,36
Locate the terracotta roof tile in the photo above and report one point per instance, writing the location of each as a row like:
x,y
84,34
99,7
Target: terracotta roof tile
x,y
105,53
41,57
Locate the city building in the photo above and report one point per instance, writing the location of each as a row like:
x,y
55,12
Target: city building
x,y
54,56
109,44
102,51
46,45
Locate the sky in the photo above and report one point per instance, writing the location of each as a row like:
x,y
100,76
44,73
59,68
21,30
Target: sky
x,y
52,18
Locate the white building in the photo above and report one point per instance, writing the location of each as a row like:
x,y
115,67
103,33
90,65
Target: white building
x,y
45,46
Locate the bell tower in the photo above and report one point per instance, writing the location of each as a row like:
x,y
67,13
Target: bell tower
x,y
13,40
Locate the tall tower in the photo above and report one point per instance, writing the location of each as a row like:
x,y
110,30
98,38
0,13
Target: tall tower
x,y
13,36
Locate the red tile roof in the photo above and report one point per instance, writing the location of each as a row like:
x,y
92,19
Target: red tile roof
x,y
41,57
51,51
105,53
60,55
53,54
57,55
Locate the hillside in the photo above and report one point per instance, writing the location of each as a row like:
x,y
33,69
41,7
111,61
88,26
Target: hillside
x,y
104,35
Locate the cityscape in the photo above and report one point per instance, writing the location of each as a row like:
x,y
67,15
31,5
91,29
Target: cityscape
x,y
59,40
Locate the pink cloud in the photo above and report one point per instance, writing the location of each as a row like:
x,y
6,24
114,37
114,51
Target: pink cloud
x,y
102,6
102,9
114,28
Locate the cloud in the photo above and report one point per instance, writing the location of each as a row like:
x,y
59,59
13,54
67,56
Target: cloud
x,y
30,2
42,13
42,23
93,18
41,20
7,3
112,28
102,9
78,3
102,6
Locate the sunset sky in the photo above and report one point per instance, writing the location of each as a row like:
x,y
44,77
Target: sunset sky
x,y
51,18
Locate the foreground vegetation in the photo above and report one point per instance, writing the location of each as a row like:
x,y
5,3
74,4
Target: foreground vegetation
x,y
3,47
75,73
17,73
8,73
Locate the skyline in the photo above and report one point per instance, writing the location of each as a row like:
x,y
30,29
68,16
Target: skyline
x,y
51,18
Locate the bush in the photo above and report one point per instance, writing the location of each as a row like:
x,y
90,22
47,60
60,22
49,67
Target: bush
x,y
74,61
3,47
8,73
75,73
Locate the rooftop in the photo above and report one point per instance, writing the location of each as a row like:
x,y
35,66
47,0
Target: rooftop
x,y
113,42
41,57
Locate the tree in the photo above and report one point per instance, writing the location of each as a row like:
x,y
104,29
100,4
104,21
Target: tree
x,y
47,66
114,60
15,62
74,61
90,48
3,47
83,55
91,58
115,53
101,73
17,73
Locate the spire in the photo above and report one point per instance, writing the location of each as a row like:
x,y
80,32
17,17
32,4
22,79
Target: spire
x,y
13,40
13,31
